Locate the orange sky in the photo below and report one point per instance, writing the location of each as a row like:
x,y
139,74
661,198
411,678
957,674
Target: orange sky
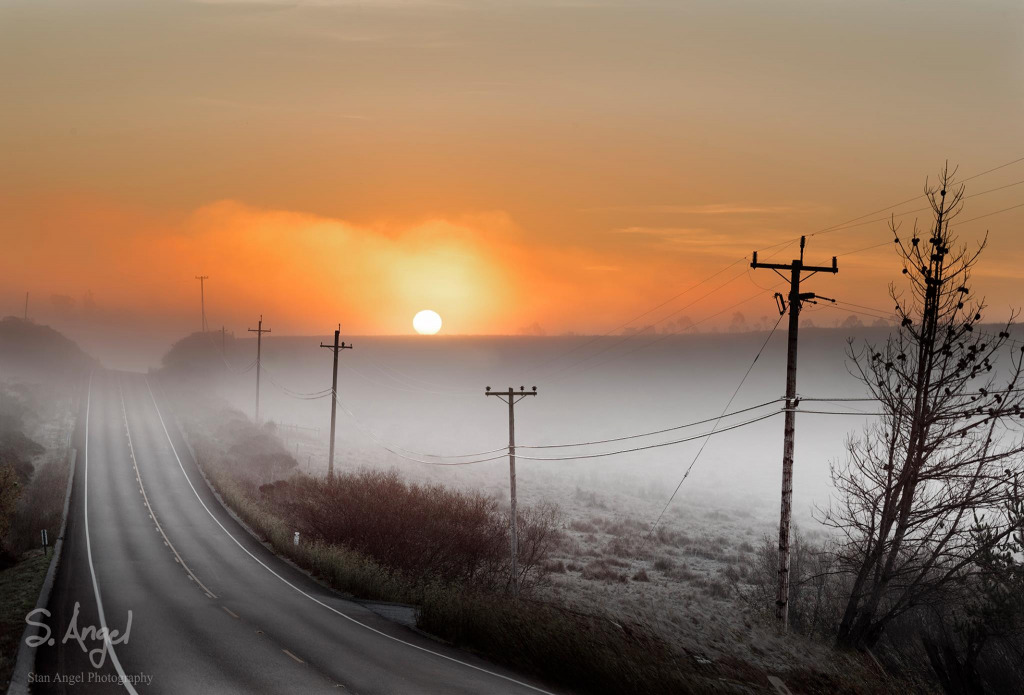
x,y
564,164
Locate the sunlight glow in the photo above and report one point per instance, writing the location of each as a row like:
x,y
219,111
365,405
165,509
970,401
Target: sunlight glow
x,y
427,322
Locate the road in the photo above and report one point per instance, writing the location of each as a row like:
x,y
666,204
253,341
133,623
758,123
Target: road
x,y
212,610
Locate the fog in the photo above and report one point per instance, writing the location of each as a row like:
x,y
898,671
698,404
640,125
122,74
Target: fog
x,y
426,395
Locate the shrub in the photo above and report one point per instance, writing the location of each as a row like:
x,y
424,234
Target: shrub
x,y
664,564
603,571
584,652
40,507
556,567
816,590
419,530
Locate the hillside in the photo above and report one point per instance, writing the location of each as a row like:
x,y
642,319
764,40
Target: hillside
x,y
38,353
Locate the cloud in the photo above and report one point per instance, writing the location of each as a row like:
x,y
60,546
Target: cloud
x,y
306,272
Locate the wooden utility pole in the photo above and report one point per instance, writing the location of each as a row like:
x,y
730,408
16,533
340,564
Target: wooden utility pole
x,y
223,343
202,298
259,331
797,270
26,306
512,397
334,395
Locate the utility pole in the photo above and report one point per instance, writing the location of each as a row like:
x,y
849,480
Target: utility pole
x,y
512,397
334,395
259,331
223,343
26,306
202,298
796,298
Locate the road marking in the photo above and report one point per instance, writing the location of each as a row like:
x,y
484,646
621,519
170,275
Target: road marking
x,y
145,498
88,552
231,612
312,598
293,656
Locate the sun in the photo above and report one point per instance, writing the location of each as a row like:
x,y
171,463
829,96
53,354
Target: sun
x,y
427,322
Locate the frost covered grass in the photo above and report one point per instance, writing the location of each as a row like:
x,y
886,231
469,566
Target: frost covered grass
x,y
600,615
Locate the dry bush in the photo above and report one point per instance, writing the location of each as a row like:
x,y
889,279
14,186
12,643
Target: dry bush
x,y
621,547
683,573
254,454
668,537
624,527
581,526
590,499
555,567
816,591
705,550
425,531
716,589
733,574
603,571
10,490
586,653
664,564
23,508
41,506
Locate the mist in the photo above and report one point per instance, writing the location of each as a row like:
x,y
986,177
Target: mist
x,y
426,395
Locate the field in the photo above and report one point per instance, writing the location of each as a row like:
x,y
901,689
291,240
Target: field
x,y
678,541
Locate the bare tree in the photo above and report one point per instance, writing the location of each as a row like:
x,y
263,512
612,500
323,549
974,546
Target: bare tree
x,y
946,445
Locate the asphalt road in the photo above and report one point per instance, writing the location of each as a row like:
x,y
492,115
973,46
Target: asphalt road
x,y
212,610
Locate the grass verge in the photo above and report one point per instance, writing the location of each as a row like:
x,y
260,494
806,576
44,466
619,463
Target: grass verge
x,y
19,585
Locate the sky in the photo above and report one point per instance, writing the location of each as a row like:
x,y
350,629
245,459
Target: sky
x,y
517,166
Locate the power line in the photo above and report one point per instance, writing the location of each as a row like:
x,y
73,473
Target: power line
x,y
780,245
649,434
312,395
659,445
869,399
989,171
849,224
862,250
989,214
387,371
701,450
223,359
927,207
384,384
836,412
397,450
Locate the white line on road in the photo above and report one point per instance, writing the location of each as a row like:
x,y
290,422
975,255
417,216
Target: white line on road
x,y
145,498
88,551
174,450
